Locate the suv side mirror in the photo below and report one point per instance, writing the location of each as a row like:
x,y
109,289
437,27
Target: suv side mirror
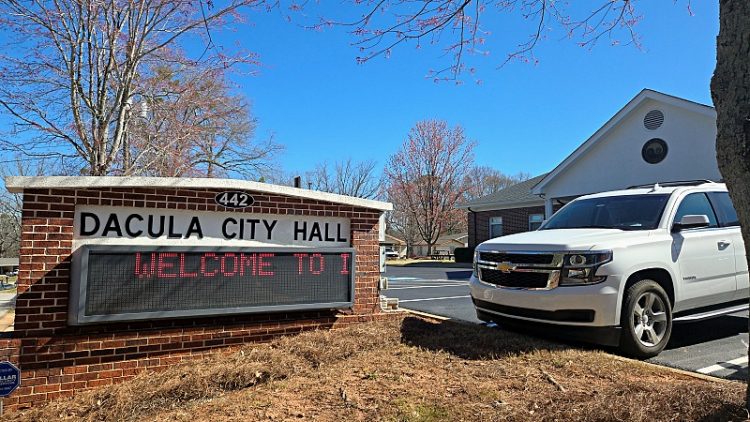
x,y
691,222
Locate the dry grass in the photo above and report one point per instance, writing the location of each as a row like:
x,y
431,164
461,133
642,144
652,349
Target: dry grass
x,y
406,370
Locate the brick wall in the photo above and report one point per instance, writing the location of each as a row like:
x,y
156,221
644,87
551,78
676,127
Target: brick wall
x,y
57,360
515,220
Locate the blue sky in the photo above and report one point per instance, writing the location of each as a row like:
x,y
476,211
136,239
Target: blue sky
x,y
313,96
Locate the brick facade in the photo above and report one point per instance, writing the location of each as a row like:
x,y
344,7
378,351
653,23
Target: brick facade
x,y
515,220
57,360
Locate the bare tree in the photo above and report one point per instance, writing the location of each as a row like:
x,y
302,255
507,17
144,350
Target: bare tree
x,y
70,68
456,27
425,178
282,177
482,181
10,228
188,124
347,178
11,203
400,223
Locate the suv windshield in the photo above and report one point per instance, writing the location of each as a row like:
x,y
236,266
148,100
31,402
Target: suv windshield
x,y
627,212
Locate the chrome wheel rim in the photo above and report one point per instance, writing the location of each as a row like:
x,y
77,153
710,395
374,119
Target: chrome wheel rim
x,y
649,319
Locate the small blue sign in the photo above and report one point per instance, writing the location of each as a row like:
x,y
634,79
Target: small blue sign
x,y
10,378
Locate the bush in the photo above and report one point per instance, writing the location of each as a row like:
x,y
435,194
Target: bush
x,y
464,254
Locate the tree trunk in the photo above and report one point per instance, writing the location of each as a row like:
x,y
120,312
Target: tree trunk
x,y
126,165
730,89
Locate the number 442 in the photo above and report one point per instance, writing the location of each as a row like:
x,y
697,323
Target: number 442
x,y
234,199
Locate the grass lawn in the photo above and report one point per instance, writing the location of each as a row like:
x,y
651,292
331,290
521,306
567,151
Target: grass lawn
x,y
408,369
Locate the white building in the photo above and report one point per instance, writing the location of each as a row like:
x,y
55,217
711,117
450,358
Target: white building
x,y
655,137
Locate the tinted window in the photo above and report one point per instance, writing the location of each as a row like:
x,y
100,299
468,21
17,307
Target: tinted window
x,y
627,212
696,204
724,208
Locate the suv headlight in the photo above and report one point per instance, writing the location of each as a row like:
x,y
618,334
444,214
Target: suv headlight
x,y
580,268
474,263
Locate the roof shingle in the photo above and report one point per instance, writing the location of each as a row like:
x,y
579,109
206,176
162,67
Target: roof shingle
x,y
520,193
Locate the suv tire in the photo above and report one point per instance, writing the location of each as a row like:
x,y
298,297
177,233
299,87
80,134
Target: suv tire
x,y
646,320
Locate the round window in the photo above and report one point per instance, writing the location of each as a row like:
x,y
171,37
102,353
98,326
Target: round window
x,y
654,151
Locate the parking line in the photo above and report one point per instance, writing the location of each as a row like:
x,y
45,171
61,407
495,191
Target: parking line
x,y
432,298
724,365
428,286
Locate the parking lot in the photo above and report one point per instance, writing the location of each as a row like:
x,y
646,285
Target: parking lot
x,y
715,347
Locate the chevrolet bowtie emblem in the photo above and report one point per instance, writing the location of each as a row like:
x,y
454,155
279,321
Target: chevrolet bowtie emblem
x,y
505,267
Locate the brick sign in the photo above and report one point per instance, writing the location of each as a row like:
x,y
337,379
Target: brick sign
x,y
124,274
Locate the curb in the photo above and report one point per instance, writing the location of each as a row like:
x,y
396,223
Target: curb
x,y
426,315
696,375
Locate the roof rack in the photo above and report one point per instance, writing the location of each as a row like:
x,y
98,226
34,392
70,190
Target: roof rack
x,y
674,183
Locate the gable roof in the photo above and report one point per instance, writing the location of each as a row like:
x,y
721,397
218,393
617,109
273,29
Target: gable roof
x,y
392,240
8,262
514,196
446,239
614,121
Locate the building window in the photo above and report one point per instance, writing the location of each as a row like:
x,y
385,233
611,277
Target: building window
x,y
535,221
496,227
654,151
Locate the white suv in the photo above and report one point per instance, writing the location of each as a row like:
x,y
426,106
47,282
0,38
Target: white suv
x,y
619,268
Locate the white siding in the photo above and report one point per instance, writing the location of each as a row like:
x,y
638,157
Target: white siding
x,y
615,161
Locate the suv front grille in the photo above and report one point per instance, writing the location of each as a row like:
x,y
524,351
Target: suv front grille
x,y
517,258
523,270
527,280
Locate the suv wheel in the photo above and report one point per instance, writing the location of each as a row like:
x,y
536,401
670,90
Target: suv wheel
x,y
646,320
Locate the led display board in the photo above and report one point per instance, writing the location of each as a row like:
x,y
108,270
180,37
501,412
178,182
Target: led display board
x,y
124,283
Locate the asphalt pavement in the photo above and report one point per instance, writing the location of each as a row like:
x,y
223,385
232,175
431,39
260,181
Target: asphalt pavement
x,y
436,290
717,347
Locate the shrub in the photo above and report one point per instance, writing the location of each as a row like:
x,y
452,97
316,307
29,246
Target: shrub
x,y
464,254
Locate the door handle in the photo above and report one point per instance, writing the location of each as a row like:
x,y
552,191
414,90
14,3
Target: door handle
x,y
723,244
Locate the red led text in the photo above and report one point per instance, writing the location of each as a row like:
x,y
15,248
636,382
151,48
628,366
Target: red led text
x,y
211,264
